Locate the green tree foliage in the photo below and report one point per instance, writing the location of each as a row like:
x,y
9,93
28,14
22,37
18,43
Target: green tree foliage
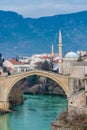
x,y
80,58
45,66
33,80
1,61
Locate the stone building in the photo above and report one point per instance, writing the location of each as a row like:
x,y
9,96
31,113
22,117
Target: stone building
x,y
77,71
14,66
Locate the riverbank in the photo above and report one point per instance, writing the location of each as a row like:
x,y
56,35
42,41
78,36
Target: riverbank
x,y
63,122
2,112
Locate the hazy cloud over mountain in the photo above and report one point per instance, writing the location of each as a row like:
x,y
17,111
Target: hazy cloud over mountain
x,y
38,8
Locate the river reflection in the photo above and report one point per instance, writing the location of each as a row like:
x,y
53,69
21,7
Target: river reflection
x,y
36,113
4,122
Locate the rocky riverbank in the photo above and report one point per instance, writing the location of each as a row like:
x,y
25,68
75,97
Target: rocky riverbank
x,y
79,122
4,111
43,86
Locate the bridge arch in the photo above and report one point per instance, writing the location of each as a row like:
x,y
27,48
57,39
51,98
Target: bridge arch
x,y
61,80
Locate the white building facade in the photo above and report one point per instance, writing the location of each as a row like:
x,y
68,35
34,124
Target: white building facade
x,y
15,67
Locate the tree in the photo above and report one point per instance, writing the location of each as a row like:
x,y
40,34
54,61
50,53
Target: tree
x,y
33,80
80,58
1,61
17,57
0,56
45,66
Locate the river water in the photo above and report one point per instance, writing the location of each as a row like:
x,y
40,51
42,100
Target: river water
x,y
36,113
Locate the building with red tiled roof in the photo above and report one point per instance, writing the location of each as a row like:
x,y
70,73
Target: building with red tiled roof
x,y
14,66
14,62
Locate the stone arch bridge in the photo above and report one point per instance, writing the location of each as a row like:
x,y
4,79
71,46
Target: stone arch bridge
x,y
76,101
7,83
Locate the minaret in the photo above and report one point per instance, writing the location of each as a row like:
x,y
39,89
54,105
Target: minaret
x,y
52,51
60,52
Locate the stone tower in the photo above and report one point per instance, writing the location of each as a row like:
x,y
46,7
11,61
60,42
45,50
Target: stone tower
x,y
60,63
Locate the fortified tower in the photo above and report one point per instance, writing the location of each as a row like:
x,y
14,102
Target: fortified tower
x,y
60,52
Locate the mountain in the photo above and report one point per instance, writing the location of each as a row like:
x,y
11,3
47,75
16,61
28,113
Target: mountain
x,y
26,36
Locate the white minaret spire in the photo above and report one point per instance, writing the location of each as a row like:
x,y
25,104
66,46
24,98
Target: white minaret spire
x,y
60,51
60,37
60,46
52,51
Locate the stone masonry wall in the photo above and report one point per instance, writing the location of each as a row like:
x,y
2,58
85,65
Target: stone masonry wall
x,y
76,103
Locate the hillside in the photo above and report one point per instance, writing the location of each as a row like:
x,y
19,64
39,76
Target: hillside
x,y
26,36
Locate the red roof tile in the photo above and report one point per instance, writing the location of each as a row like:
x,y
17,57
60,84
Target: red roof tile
x,y
37,63
14,62
45,57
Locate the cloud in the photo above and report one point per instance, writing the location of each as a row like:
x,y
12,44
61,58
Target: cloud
x,y
38,8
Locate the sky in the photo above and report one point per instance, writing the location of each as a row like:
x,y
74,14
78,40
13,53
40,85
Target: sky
x,y
40,8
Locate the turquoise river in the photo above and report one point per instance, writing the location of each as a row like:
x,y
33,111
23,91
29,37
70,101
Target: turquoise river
x,y
36,113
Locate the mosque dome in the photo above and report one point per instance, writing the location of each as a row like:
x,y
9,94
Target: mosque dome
x,y
71,55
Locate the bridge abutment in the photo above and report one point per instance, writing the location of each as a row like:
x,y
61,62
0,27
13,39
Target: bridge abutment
x,y
76,106
4,105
